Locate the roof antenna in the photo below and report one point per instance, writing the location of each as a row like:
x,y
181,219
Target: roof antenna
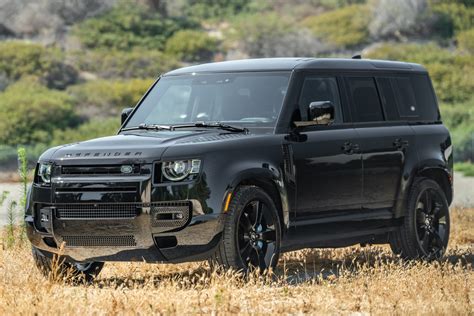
x,y
358,56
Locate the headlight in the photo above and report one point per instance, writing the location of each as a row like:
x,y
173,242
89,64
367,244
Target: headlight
x,y
180,169
44,173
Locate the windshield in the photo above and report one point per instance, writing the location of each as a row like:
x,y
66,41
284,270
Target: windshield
x,y
244,99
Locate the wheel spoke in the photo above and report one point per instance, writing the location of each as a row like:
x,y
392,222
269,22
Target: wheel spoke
x,y
245,252
261,259
437,239
257,209
268,235
428,202
426,240
269,254
245,222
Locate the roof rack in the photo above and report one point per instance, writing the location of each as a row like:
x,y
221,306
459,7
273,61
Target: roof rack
x,y
358,56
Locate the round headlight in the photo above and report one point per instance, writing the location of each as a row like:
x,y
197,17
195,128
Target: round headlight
x,y
180,169
44,172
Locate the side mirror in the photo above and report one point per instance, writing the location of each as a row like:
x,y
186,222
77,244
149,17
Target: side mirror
x,y
125,113
321,112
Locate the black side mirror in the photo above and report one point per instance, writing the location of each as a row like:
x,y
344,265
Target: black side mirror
x,y
321,112
125,113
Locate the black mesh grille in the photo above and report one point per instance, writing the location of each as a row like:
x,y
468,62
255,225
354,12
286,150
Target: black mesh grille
x,y
97,211
170,215
99,169
100,241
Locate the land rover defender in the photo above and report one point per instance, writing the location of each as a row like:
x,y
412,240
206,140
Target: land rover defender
x,y
239,161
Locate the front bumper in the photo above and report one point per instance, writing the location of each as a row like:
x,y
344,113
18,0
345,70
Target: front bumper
x,y
120,219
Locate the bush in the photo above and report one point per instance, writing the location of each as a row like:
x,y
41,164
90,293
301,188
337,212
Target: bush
x,y
191,46
466,168
138,63
271,35
209,9
19,59
343,28
89,130
451,74
398,18
127,26
465,41
459,118
107,97
453,17
29,113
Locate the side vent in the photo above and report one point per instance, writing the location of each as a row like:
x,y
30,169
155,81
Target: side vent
x,y
288,165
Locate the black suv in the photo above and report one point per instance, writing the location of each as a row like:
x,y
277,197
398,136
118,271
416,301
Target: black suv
x,y
239,161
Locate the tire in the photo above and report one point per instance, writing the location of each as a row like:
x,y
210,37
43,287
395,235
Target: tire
x,y
77,271
424,233
252,232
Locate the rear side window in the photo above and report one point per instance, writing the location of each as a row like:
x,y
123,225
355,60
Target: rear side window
x,y
365,99
408,98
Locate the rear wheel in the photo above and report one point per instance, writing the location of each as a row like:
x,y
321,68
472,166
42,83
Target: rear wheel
x,y
86,270
251,236
425,229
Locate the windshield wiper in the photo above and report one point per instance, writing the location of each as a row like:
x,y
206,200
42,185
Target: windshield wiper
x,y
218,125
149,127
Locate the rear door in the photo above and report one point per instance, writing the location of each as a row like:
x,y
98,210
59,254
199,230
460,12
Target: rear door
x,y
383,142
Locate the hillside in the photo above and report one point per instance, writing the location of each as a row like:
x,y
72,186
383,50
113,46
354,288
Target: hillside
x,y
68,67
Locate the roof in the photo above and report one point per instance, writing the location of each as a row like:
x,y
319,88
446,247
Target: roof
x,y
288,64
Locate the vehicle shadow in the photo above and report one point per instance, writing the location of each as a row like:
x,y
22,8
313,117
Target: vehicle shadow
x,y
294,268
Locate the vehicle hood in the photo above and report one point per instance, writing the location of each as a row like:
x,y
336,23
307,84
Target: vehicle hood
x,y
139,146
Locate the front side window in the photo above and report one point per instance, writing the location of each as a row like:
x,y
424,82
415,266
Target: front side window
x,y
245,99
317,89
365,100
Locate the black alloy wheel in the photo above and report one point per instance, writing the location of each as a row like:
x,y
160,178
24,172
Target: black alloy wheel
x,y
424,233
256,235
252,232
432,224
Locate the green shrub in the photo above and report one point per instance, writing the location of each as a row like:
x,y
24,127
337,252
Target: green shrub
x,y
451,73
191,46
209,9
19,59
127,26
459,118
345,27
29,112
89,130
138,63
466,168
466,41
453,17
271,35
108,97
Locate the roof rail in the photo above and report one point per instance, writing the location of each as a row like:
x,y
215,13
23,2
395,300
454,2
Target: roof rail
x,y
358,56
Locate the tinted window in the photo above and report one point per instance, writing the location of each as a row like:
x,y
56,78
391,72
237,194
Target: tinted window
x,y
320,89
365,100
388,99
415,98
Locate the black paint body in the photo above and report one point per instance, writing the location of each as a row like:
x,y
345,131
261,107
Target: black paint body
x,y
335,185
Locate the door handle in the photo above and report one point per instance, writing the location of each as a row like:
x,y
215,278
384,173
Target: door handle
x,y
400,144
349,148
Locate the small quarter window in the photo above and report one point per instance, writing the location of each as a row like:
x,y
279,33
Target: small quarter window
x,y
365,100
407,105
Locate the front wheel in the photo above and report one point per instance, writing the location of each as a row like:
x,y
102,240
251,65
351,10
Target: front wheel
x,y
425,230
252,232
88,270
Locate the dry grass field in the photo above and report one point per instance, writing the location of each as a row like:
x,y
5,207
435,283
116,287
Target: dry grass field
x,y
344,281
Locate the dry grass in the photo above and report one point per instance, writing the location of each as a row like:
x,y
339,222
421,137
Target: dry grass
x,y
344,281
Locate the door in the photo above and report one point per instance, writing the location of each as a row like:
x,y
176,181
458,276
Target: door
x,y
383,141
327,162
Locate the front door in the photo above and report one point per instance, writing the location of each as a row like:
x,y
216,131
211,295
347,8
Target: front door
x,y
328,165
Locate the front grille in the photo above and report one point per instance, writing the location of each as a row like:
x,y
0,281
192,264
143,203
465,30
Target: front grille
x,y
170,214
98,211
100,170
100,241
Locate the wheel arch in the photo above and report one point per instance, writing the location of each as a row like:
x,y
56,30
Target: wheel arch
x,y
271,184
441,176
